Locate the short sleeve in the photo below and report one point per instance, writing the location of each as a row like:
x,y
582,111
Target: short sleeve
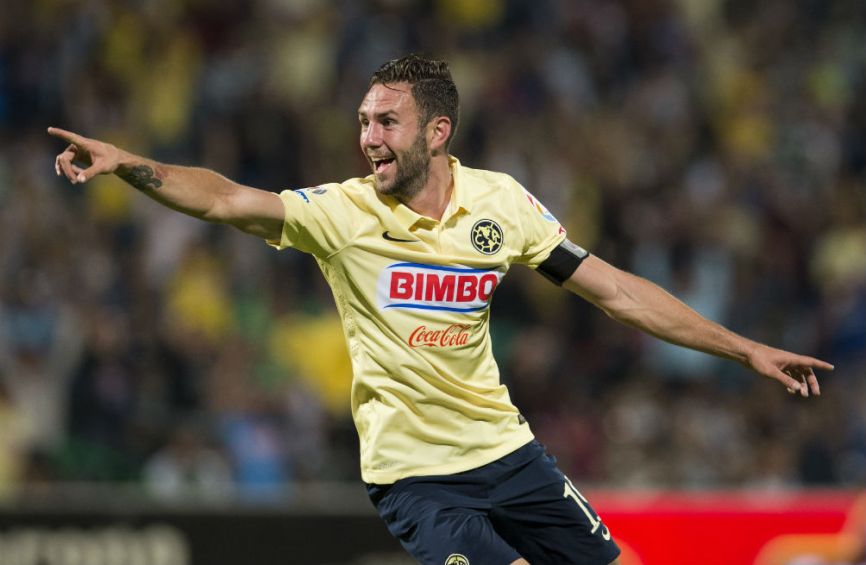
x,y
541,231
318,220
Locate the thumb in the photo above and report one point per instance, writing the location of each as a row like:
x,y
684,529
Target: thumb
x,y
89,172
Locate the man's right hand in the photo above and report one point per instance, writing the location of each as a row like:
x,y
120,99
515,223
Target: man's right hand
x,y
98,157
193,191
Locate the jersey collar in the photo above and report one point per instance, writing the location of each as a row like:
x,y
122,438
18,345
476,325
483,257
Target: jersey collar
x,y
458,196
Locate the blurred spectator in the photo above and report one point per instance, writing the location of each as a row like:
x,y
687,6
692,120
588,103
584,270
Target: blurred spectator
x,y
716,147
186,467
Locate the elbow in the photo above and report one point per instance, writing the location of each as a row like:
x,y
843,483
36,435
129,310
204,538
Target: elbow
x,y
617,312
614,307
613,291
622,306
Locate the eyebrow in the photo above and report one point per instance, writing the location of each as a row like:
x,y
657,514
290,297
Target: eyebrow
x,y
377,115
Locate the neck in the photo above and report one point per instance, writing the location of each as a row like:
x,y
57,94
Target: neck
x,y
432,200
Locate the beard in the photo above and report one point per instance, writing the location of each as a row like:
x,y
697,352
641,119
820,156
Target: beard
x,y
413,168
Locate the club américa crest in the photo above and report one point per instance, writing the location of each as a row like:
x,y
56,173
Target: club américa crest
x,y
456,559
486,236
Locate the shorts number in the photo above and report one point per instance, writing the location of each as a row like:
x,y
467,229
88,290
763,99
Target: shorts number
x,y
574,494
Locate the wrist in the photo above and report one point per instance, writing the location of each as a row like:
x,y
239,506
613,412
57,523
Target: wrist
x,y
125,161
751,350
141,174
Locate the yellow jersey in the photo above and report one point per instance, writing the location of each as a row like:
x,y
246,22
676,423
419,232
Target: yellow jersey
x,y
414,295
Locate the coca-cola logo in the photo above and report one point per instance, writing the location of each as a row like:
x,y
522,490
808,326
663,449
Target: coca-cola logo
x,y
454,335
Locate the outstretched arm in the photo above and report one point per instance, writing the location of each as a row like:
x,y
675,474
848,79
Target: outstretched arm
x,y
639,303
194,191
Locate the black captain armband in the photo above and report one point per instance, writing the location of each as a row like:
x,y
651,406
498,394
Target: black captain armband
x,y
563,262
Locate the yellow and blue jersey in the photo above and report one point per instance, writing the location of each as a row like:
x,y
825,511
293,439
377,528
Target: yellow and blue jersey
x,y
414,296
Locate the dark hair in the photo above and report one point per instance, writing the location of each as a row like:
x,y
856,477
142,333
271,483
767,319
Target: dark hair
x,y
432,87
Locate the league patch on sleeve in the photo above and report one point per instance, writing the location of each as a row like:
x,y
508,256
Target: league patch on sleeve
x,y
545,213
305,192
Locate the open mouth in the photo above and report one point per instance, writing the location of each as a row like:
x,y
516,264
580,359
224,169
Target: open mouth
x,y
382,165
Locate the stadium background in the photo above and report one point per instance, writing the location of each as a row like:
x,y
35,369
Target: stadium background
x,y
716,147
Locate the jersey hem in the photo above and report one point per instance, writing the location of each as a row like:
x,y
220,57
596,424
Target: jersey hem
x,y
451,468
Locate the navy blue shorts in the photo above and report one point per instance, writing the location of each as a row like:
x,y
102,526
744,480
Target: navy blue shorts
x,y
518,506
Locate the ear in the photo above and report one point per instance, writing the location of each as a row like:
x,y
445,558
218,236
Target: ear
x,y
438,132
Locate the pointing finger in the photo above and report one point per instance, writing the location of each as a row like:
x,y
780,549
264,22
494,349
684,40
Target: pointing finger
x,y
66,135
815,363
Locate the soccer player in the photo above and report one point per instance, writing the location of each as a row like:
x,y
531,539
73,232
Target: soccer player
x,y
413,253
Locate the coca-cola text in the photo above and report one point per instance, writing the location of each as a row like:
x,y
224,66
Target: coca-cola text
x,y
453,336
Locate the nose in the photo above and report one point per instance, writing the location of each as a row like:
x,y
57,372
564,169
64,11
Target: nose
x,y
371,136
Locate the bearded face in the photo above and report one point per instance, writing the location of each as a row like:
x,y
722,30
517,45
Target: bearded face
x,y
393,140
407,172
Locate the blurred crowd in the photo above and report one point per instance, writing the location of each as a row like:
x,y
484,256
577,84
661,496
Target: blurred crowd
x,y
716,147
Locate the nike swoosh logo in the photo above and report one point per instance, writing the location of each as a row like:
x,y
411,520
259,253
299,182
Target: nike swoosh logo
x,y
390,237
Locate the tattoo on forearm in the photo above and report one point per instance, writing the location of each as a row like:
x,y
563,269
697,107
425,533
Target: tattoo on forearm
x,y
141,177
